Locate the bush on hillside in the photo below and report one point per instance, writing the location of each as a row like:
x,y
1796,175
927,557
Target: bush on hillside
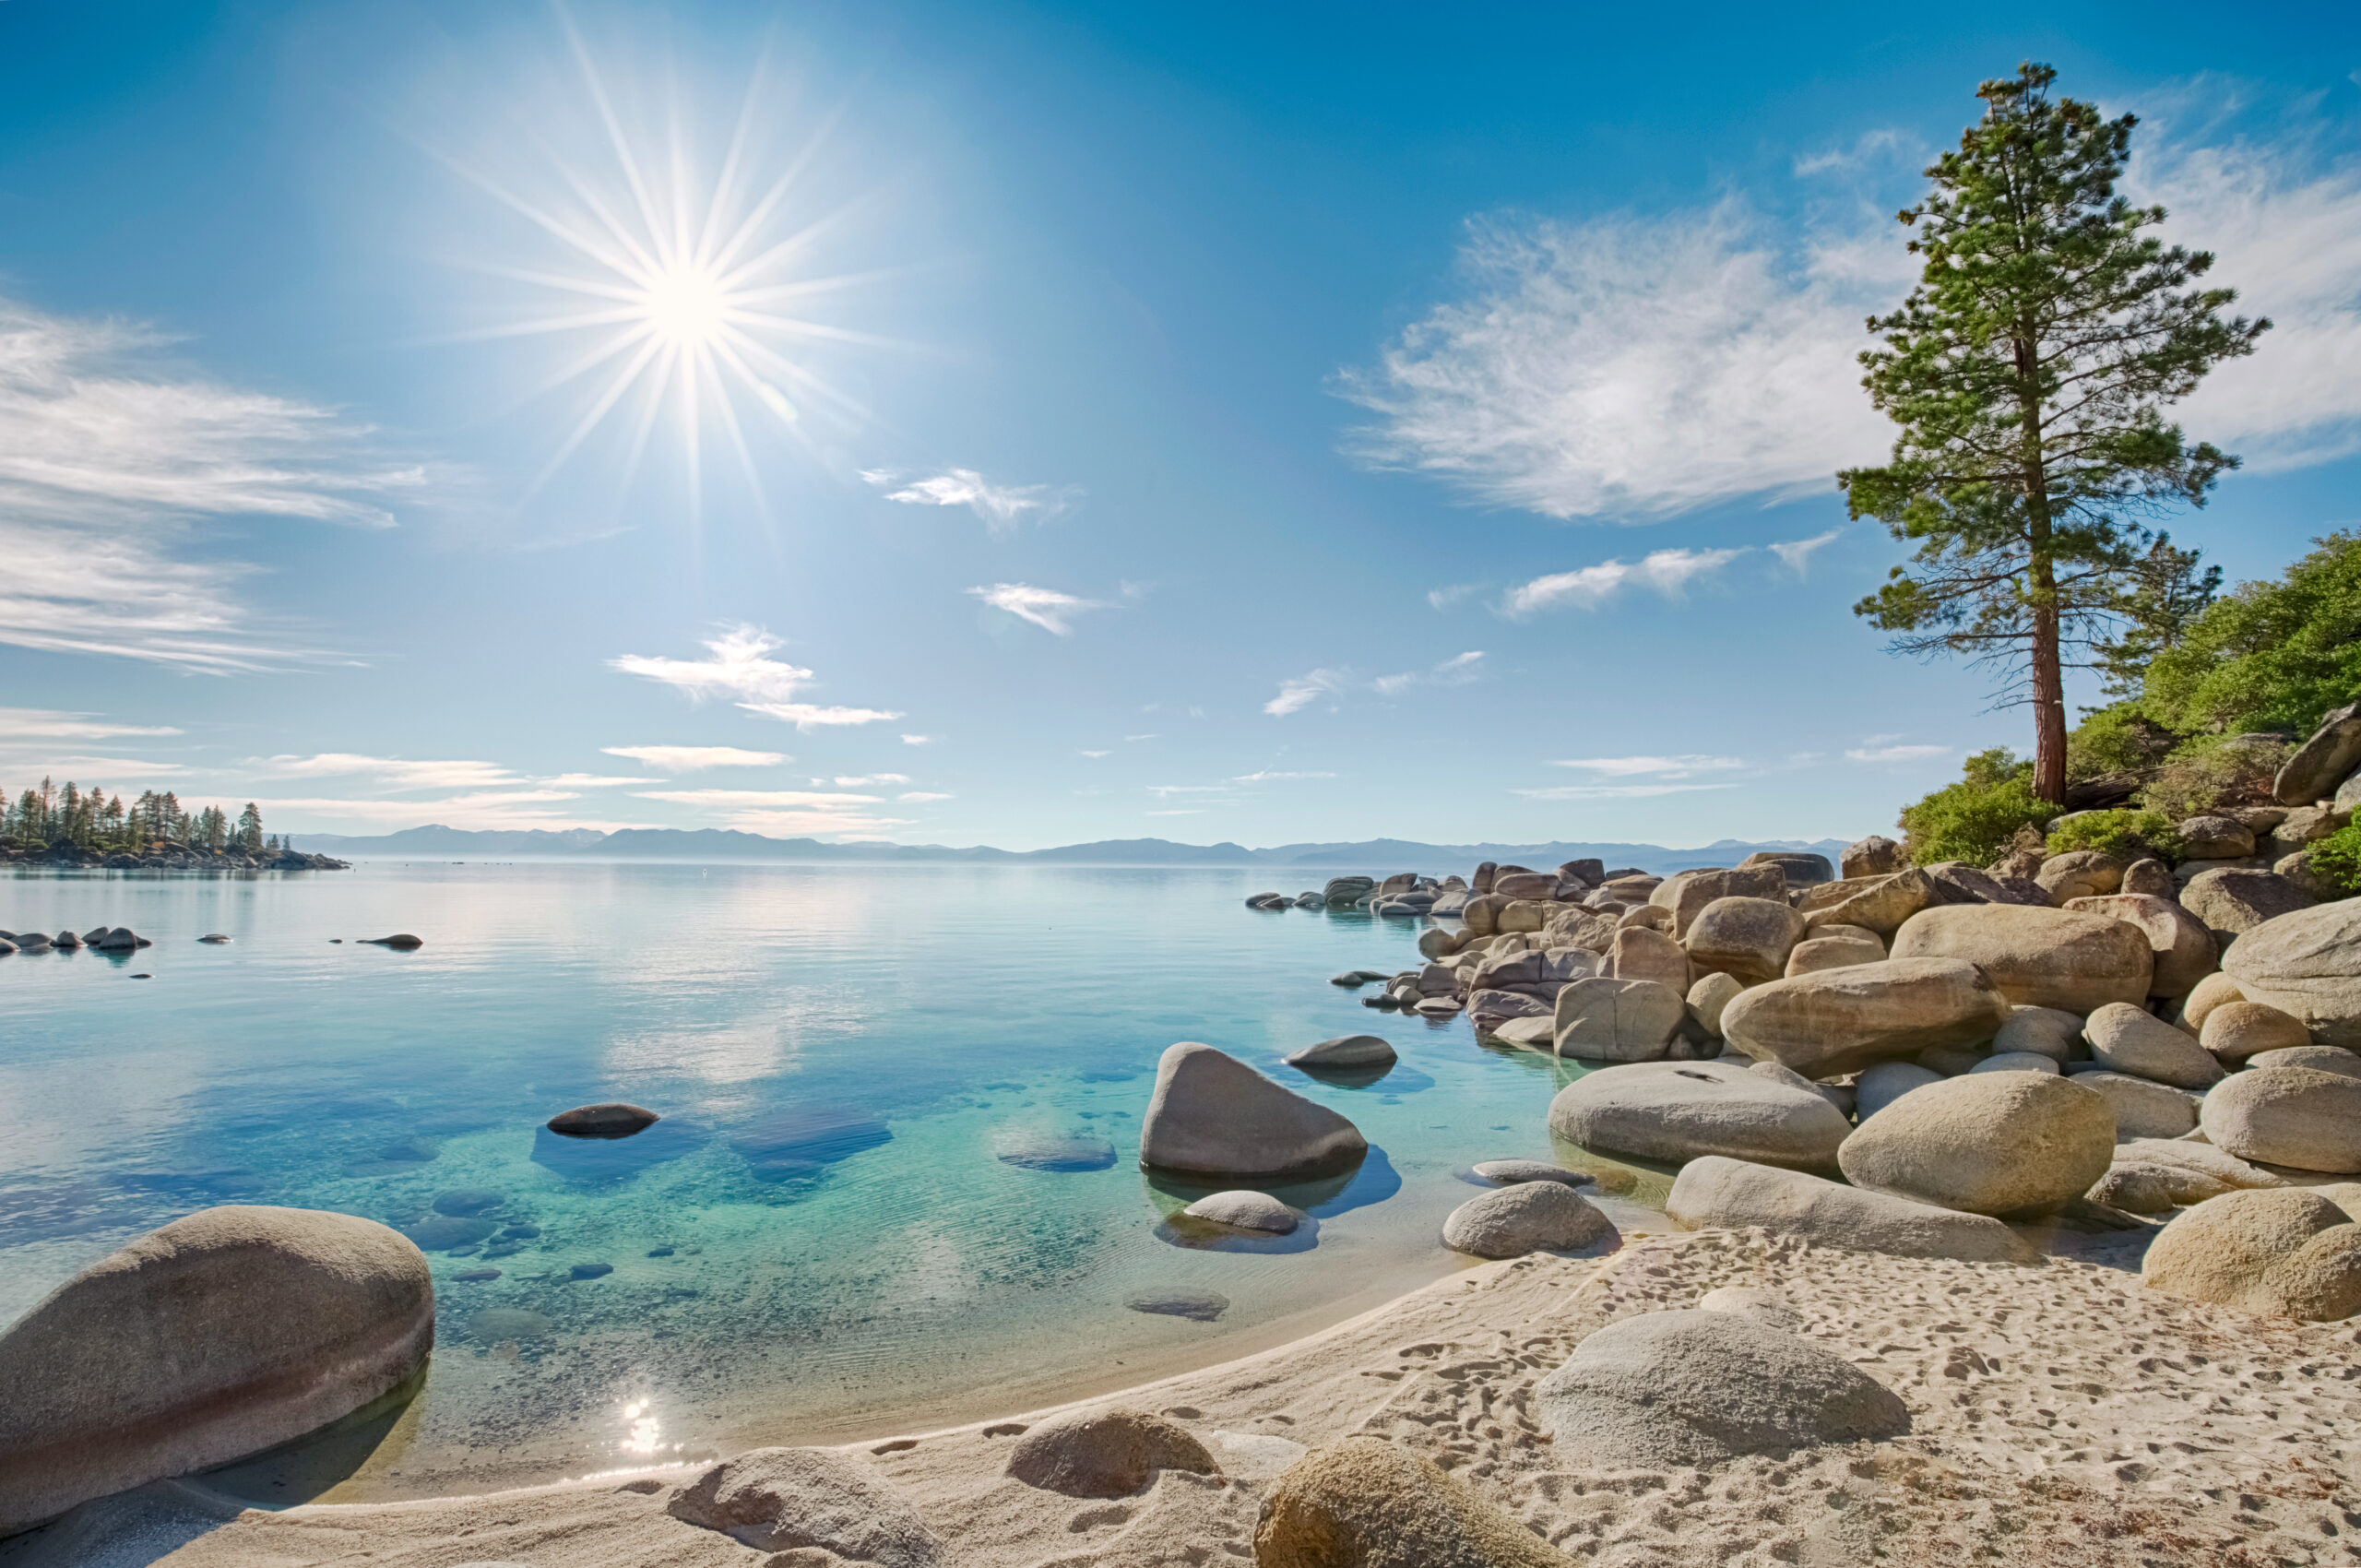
x,y
1976,818
2336,859
2120,739
2271,656
2125,835
2208,777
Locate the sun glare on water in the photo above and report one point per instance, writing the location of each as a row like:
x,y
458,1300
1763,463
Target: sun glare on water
x,y
678,285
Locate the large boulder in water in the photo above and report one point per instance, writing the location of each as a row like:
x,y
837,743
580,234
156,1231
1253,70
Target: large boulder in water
x,y
2037,957
2286,1253
1214,1115
782,1498
1715,1194
1677,1111
1664,1390
1362,1503
218,1336
614,1119
2309,964
1104,1453
1843,1020
2009,1145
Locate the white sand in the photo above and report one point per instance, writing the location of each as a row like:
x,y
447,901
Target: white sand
x,y
2062,1415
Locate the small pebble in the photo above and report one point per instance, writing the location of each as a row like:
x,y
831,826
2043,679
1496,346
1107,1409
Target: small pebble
x,y
659,1251
143,977
592,1270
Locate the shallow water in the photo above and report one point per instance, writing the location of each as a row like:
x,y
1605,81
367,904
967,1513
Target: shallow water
x,y
821,1239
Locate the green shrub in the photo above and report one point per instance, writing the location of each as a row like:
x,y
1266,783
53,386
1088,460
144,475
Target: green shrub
x,y
2116,740
2336,859
2272,655
2127,834
2210,774
1976,818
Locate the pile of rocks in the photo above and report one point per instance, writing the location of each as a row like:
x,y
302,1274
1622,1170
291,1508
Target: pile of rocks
x,y
103,939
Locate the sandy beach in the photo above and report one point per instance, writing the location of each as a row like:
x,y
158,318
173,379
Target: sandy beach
x,y
2059,1413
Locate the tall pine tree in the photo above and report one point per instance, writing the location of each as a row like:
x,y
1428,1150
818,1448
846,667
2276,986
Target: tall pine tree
x,y
2029,370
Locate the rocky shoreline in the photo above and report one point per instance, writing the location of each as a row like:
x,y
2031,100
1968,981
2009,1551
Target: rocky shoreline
x,y
170,857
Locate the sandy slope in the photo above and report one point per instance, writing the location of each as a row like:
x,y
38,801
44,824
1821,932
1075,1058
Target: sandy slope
x,y
2062,1415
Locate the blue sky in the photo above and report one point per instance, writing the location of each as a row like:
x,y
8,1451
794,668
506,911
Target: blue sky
x,y
1210,422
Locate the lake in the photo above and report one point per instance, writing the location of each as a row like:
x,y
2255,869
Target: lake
x,y
896,1186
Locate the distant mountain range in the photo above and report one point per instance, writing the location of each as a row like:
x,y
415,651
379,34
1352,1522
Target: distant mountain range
x,y
1373,855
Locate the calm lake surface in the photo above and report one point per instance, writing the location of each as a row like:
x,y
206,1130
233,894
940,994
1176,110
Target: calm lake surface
x,y
822,1240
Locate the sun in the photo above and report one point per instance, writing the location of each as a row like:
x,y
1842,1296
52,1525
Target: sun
x,y
681,282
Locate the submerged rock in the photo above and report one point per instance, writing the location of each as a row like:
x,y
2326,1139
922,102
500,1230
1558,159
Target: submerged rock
x,y
402,942
1198,1306
1345,1050
218,1336
1507,1172
1245,1209
807,1139
1044,1151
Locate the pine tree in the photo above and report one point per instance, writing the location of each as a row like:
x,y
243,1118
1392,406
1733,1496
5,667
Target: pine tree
x,y
250,829
2028,370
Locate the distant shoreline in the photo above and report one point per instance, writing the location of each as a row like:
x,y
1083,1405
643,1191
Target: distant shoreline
x,y
67,857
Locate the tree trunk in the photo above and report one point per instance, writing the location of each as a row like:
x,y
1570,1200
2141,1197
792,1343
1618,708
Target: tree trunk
x,y
2048,684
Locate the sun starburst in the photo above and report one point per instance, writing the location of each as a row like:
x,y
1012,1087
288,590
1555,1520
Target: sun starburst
x,y
681,290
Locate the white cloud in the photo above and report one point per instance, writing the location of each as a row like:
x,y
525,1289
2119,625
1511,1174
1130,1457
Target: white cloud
x,y
1151,735
1667,766
1896,754
1181,811
1633,367
1796,554
1301,691
1637,368
1162,789
592,782
768,799
393,773
1272,775
1002,506
1613,791
1444,598
1098,753
50,724
1665,571
88,768
742,667
1456,670
1046,608
918,796
918,740
479,810
845,783
111,461
841,822
689,759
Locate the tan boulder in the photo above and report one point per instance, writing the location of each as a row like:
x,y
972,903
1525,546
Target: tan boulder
x,y
820,1499
2054,1033
1827,893
1686,894
2285,1253
2307,963
2296,1116
1649,917
1873,856
2008,1144
1573,926
2079,873
1525,914
1709,998
2220,1164
2150,876
2211,992
1749,938
1111,1452
1812,955
1716,1193
2143,1187
2320,1058
2144,1108
2236,1030
2186,951
1528,1216
1606,1020
218,1336
2234,900
1639,954
2216,839
1361,1503
1213,1114
2060,959
2128,1038
1677,1111
1482,915
1843,1020
1883,906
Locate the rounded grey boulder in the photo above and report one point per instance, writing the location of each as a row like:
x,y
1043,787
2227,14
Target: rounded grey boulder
x,y
1345,1050
2008,1144
2239,1031
1842,1020
220,1335
1111,1452
615,1119
2309,964
2037,957
1213,1114
1525,1218
781,1499
2297,1116
2144,1108
2285,1254
1677,1111
1244,1209
1687,1388
2127,1039
2319,1058
2049,1030
1715,1194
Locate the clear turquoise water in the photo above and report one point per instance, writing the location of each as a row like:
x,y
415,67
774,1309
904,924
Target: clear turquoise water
x,y
820,1241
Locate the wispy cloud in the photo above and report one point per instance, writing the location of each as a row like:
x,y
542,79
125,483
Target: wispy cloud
x,y
1001,507
593,780
871,780
1270,775
689,759
1896,754
742,667
1301,691
776,799
475,810
1666,767
1612,792
1665,571
1134,740
1046,608
918,740
1181,810
1444,598
1456,670
1163,790
784,811
1634,367
1796,554
915,797
1098,753
392,773
50,724
112,459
